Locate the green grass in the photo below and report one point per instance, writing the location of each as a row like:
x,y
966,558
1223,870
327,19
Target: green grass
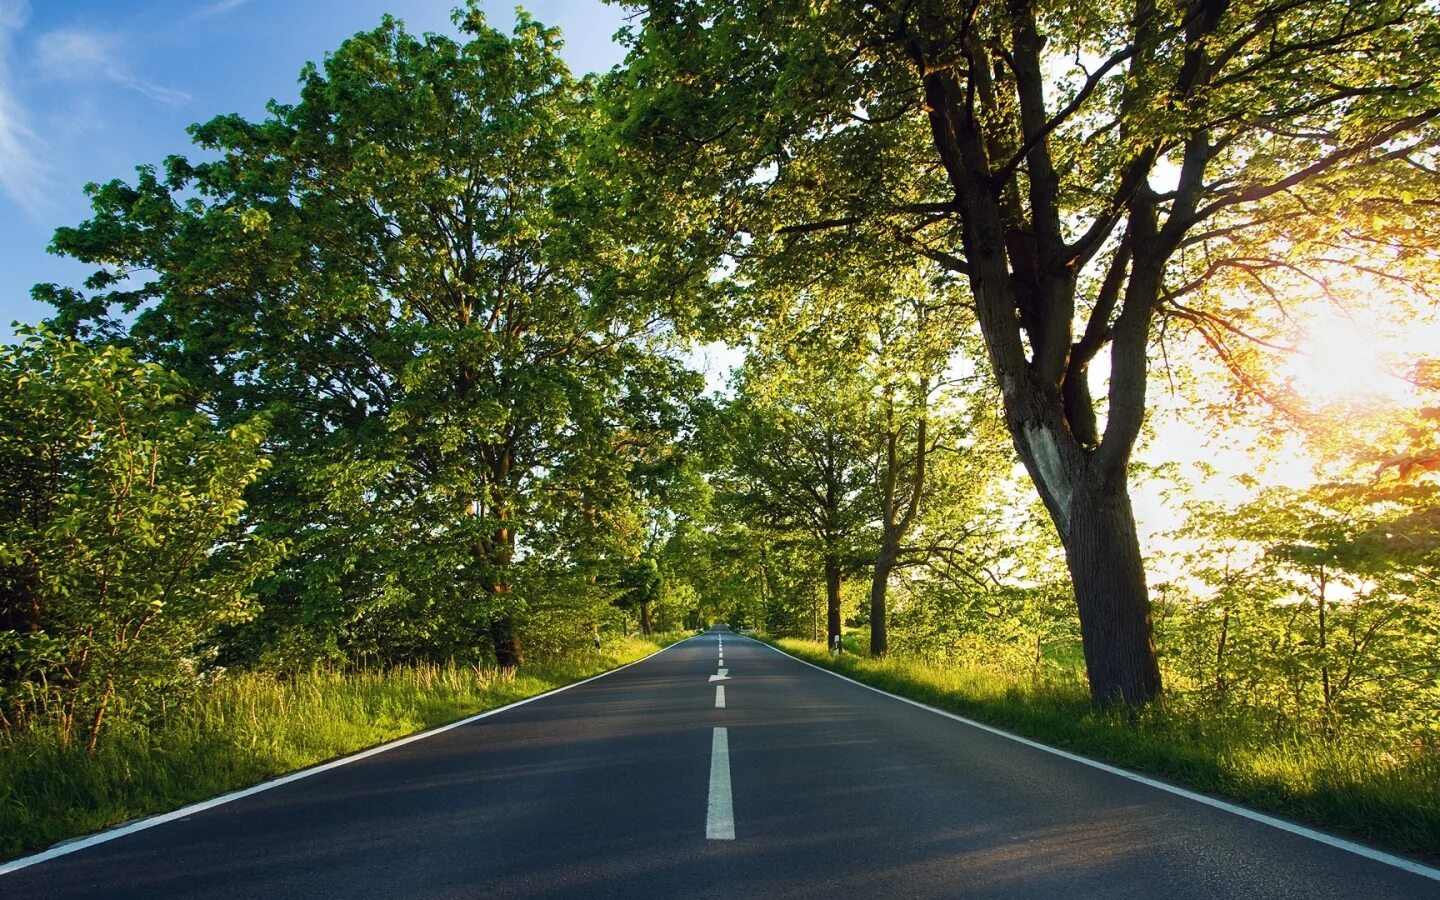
x,y
252,727
1386,795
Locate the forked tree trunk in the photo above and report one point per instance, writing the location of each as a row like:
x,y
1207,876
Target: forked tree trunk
x,y
1103,554
645,619
897,512
832,600
1022,272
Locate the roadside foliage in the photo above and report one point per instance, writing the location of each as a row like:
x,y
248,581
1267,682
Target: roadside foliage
x,y
402,375
120,547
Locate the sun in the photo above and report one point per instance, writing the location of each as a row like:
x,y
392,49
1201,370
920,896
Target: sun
x,y
1339,361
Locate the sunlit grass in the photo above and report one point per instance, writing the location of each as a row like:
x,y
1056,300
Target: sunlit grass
x,y
249,728
1386,794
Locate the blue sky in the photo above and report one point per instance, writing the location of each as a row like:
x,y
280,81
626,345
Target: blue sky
x,y
89,89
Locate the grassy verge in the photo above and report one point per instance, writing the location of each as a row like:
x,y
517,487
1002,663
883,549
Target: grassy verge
x,y
1389,796
250,728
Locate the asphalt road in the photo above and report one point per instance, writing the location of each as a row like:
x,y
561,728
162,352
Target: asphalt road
x,y
623,787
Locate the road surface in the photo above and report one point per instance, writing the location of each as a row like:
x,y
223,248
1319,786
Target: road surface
x,y
686,776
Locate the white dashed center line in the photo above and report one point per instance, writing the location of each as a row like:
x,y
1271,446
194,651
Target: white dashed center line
x,y
720,816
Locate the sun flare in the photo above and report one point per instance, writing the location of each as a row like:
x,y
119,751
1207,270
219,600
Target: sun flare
x,y
1338,361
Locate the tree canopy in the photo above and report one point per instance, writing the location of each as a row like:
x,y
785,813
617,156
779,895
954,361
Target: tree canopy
x,y
405,370
411,271
1091,172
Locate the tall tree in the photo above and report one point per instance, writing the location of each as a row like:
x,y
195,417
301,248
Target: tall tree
x,y
889,332
639,589
1083,167
411,268
799,459
912,341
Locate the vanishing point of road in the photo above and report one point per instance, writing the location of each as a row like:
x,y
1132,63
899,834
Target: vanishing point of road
x,y
717,768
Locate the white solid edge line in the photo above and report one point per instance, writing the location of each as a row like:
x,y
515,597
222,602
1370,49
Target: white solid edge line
x,y
720,811
76,844
1338,843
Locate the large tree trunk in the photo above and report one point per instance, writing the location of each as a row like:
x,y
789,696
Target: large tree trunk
x,y
645,618
504,629
1088,501
832,599
506,639
1023,275
1103,554
879,583
499,553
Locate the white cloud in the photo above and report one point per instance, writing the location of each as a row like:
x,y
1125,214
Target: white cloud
x,y
13,14
219,8
23,176
70,54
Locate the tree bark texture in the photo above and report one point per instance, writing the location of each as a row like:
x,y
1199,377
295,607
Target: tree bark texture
x,y
499,553
505,637
1103,555
832,599
879,583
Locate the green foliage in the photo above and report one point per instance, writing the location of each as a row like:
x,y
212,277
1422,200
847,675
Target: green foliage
x,y
737,573
448,288
1309,608
1088,172
412,271
640,585
797,455
857,440
119,547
